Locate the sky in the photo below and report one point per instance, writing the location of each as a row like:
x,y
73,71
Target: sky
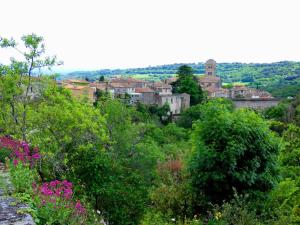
x,y
97,34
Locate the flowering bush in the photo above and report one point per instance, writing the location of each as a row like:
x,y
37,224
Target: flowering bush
x,y
22,159
55,204
52,202
20,151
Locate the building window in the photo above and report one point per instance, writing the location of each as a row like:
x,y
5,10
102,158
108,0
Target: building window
x,y
209,73
171,100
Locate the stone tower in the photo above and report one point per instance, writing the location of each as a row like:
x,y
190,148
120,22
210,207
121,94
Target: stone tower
x,y
210,67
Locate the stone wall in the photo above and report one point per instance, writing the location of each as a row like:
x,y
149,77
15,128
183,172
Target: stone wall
x,y
255,103
11,211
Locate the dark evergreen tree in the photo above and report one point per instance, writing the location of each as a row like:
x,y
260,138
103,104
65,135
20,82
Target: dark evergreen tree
x,y
187,83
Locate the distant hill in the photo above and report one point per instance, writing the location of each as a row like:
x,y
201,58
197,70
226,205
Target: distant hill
x,y
282,79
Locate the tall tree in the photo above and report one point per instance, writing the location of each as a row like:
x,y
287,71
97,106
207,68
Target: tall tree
x,y
232,150
18,95
187,83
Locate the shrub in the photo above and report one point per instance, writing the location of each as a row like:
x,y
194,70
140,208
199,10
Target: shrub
x,y
232,150
55,204
4,153
22,177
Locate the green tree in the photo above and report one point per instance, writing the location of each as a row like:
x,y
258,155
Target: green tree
x,y
118,179
194,113
101,78
62,127
17,83
290,153
232,150
187,83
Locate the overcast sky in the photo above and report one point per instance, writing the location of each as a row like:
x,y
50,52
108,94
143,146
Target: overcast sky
x,y
94,34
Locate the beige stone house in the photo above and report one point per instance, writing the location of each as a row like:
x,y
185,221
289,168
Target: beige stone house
x,y
81,92
177,102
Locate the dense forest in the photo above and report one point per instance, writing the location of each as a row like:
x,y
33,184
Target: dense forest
x,y
74,162
282,79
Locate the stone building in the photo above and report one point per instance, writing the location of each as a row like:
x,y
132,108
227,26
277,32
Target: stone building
x,y
210,79
129,81
211,83
241,91
161,88
80,89
177,102
121,88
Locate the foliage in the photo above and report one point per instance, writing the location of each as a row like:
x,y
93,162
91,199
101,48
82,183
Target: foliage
x,y
132,165
22,178
187,83
194,113
278,112
232,150
236,212
284,202
173,197
21,159
189,116
4,154
63,127
162,112
290,154
121,174
54,204
17,96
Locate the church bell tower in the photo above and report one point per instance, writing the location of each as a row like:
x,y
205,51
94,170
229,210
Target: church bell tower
x,y
210,67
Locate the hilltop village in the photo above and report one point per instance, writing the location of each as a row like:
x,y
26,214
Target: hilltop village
x,y
160,93
123,151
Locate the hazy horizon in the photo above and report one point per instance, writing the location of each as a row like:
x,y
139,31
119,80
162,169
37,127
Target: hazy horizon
x,y
92,35
62,69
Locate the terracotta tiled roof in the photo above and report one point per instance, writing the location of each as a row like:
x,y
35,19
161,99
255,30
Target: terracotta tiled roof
x,y
143,90
121,85
100,86
161,85
170,80
74,87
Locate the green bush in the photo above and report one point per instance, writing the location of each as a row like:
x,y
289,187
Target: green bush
x,y
22,177
284,203
232,150
4,153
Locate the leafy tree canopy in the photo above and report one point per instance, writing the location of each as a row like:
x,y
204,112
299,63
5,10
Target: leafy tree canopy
x,y
187,83
232,150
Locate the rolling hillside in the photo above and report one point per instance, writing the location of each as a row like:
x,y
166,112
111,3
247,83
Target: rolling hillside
x,y
282,79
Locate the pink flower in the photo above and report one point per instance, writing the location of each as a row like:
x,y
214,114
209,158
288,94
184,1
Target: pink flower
x,y
67,184
54,183
68,193
15,162
79,207
36,156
